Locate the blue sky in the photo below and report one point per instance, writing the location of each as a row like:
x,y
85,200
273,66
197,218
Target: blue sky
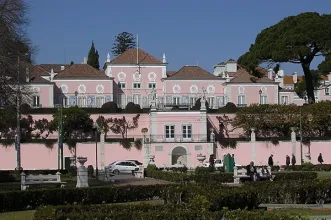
x,y
188,31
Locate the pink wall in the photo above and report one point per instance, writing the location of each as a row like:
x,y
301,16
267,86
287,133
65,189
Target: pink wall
x,y
251,91
45,94
145,78
185,86
90,86
213,122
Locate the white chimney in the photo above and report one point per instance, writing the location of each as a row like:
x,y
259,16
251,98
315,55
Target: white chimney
x,y
271,74
295,77
108,58
27,75
85,60
62,68
164,59
280,73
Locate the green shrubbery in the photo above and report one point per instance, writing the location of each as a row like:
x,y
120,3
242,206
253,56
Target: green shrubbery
x,y
155,212
289,176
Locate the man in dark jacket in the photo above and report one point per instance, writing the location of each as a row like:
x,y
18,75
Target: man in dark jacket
x,y
320,158
271,160
251,171
288,161
294,161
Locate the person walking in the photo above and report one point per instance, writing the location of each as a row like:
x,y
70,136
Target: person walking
x,y
320,159
294,161
271,160
288,161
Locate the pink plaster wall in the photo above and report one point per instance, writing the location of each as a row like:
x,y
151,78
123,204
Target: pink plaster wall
x,y
144,80
185,86
252,93
214,123
44,94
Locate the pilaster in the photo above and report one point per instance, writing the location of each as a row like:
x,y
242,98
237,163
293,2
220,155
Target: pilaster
x,y
293,141
253,142
102,150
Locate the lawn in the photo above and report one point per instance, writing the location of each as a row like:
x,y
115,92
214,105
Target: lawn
x,y
22,215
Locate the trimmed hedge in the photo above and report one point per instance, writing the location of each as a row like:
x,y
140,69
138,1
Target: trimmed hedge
x,y
201,175
12,175
290,176
309,167
102,212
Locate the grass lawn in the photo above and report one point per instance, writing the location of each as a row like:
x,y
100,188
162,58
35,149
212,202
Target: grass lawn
x,y
22,215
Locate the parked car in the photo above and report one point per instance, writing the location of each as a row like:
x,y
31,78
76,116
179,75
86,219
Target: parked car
x,y
123,166
136,162
218,163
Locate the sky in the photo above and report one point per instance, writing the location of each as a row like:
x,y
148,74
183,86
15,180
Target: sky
x,y
189,32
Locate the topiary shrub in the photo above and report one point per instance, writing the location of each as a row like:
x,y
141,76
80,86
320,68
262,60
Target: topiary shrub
x,y
25,108
230,107
110,106
132,108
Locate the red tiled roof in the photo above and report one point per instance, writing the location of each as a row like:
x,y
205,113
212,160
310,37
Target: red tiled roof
x,y
288,80
130,57
40,80
170,73
56,67
245,77
193,72
81,71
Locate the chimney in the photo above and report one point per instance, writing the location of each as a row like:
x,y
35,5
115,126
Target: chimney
x,y
85,60
280,73
295,77
271,74
62,68
107,61
164,59
27,75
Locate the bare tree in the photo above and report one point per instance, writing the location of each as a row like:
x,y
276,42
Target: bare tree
x,y
15,49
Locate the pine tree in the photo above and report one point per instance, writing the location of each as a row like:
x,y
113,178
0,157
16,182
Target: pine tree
x,y
123,41
93,57
71,63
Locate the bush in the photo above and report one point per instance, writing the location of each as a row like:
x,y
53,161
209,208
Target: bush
x,y
310,167
149,212
9,175
110,106
132,108
284,176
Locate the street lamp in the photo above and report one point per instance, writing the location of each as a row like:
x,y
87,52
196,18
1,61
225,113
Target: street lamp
x,y
260,92
96,127
144,132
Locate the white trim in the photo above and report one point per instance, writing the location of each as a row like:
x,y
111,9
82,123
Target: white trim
x,y
187,138
193,80
250,85
135,65
136,83
188,159
184,113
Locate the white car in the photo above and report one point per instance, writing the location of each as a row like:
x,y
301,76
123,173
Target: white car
x,y
123,166
218,164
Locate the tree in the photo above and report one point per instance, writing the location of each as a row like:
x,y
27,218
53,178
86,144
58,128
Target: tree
x,y
325,66
93,57
16,50
71,63
295,39
123,42
300,87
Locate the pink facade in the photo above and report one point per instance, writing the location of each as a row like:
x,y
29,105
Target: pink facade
x,y
41,95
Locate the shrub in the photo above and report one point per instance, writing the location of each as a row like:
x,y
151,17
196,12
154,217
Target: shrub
x,y
110,106
7,176
284,176
132,108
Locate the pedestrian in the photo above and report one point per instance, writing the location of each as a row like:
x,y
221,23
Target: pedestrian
x,y
211,161
234,163
288,161
251,172
320,159
294,161
271,160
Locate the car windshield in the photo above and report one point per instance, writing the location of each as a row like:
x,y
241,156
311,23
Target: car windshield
x,y
136,162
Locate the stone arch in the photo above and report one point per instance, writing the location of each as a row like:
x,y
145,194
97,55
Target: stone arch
x,y
179,153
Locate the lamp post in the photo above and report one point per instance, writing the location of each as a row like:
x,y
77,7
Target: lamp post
x,y
144,132
96,126
260,93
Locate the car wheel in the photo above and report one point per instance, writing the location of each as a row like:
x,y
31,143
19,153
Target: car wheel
x,y
116,172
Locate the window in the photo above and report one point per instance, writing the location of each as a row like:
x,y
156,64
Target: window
x,y
64,101
210,101
36,101
187,131
99,101
241,100
327,91
175,101
121,85
82,101
193,100
136,99
136,85
151,85
170,131
284,100
263,99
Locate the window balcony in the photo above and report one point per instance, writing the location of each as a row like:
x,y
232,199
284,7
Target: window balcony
x,y
179,138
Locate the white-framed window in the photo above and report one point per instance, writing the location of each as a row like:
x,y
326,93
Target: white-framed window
x,y
263,99
170,131
63,100
241,100
36,100
210,101
193,100
99,101
327,91
151,85
187,131
284,99
175,100
121,85
136,85
82,101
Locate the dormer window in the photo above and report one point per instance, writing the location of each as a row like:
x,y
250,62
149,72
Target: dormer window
x,y
136,85
121,85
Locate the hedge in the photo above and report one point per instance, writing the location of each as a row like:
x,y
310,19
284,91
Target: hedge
x,y
289,176
12,175
161,212
309,167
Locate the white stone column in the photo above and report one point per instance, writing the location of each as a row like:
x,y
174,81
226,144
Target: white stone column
x,y
294,141
102,150
82,175
253,142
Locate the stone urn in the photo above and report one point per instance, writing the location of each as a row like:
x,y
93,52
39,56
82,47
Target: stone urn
x,y
201,158
81,160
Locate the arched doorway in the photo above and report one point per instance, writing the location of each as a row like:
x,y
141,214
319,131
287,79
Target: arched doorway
x,y
179,154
